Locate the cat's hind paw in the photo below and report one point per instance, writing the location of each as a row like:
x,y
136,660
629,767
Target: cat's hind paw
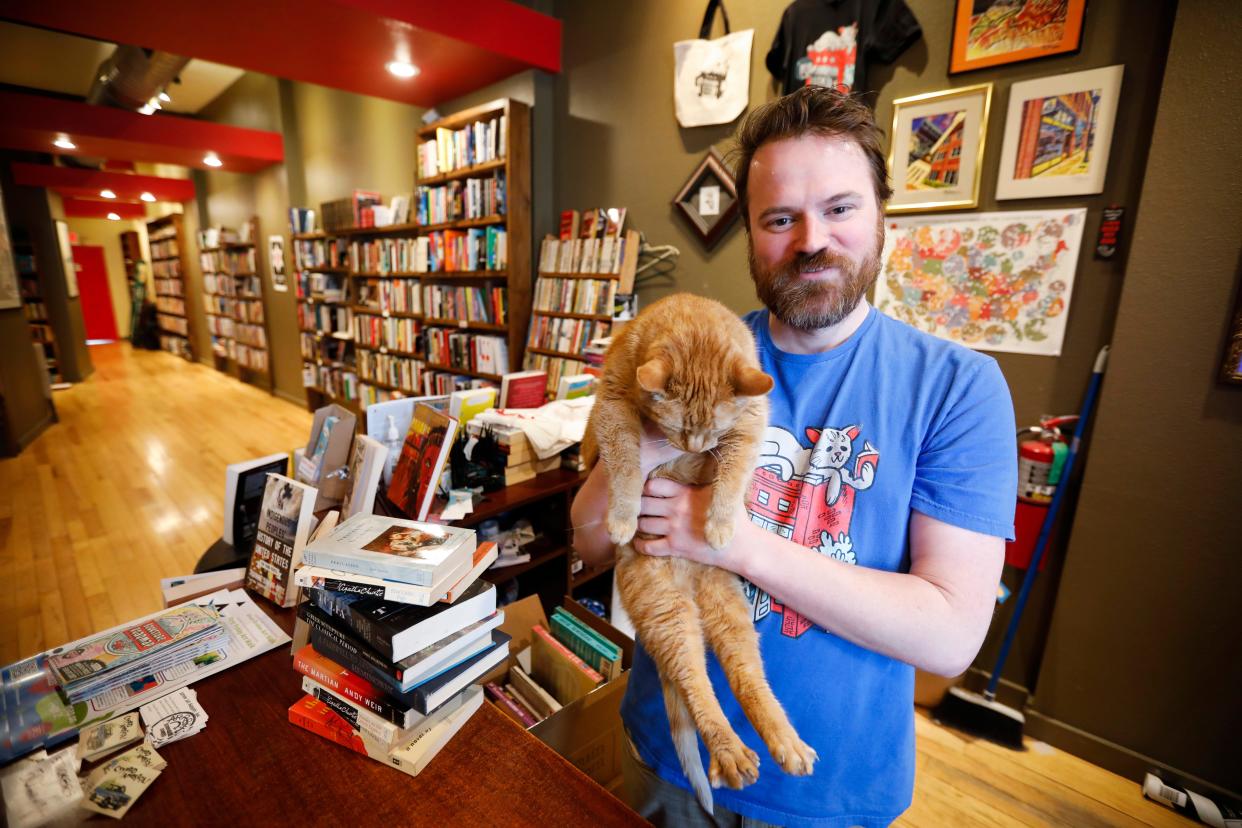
x,y
736,766
795,757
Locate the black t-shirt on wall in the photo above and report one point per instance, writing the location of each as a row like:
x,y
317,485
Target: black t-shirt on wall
x,y
830,42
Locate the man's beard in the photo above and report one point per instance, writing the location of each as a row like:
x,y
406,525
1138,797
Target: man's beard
x,y
809,304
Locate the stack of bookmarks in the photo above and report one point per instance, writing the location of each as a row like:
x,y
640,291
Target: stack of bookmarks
x,y
400,629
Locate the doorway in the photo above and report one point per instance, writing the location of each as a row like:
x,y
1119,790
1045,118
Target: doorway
x,y
95,295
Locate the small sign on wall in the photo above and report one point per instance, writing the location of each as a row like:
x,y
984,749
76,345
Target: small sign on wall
x,y
276,259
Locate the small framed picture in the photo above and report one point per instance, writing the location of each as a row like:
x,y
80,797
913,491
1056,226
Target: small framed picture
x,y
937,149
1057,134
995,32
1231,366
708,200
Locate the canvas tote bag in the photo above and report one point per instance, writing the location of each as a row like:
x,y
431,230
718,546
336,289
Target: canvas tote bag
x,y
711,78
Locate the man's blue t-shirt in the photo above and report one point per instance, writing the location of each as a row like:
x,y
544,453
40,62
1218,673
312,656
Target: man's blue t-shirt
x,y
889,421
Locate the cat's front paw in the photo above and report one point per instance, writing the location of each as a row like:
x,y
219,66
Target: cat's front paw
x,y
621,528
734,765
795,756
718,532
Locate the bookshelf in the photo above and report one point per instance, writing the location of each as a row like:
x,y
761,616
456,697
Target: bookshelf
x,y
434,304
33,306
572,307
167,240
235,302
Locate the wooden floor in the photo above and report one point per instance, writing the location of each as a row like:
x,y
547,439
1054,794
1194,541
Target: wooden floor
x,y
128,488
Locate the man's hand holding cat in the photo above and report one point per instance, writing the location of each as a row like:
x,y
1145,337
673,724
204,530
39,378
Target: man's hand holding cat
x,y
677,515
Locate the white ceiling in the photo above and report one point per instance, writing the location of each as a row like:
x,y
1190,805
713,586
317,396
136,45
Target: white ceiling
x,y
55,62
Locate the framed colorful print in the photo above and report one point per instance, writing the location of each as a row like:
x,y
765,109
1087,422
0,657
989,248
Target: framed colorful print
x,y
990,281
708,200
995,32
1057,134
937,149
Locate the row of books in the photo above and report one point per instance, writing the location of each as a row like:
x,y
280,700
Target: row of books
x,y
589,296
394,332
473,198
175,345
250,334
37,310
404,372
169,287
557,368
311,253
477,248
386,255
324,318
163,248
566,336
322,287
253,358
472,352
335,381
173,324
164,304
591,255
442,382
220,284
357,210
301,220
166,268
454,149
227,261
221,326
249,310
473,304
399,295
369,395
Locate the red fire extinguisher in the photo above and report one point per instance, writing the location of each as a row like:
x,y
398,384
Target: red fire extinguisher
x,y
1041,458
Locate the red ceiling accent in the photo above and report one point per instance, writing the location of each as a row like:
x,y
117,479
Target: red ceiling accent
x,y
459,47
73,181
31,122
85,208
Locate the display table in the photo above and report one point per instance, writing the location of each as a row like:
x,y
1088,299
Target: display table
x,y
250,766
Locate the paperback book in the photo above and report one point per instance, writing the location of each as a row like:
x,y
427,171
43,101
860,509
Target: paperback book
x,y
285,522
366,463
384,547
523,389
423,455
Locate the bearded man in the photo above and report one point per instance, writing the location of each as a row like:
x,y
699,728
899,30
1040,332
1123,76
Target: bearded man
x,y
873,535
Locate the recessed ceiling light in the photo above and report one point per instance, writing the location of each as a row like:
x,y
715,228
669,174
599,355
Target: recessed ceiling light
x,y
163,96
147,197
64,143
107,194
146,109
402,69
212,160
113,217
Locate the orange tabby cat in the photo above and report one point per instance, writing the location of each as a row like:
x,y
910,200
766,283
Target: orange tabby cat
x,y
688,365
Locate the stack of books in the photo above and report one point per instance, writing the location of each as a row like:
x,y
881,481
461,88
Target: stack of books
x,y
567,661
401,628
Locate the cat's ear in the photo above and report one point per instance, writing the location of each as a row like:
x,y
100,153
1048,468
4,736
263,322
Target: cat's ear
x,y
750,382
653,376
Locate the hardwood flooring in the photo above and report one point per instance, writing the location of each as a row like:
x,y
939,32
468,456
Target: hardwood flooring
x,y
128,488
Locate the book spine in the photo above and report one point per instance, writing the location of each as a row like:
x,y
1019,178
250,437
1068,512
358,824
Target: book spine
x,y
590,671
362,719
338,646
363,627
508,705
376,635
338,735
354,688
409,575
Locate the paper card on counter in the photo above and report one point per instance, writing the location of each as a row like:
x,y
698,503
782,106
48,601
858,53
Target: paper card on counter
x,y
113,788
142,756
96,742
173,717
39,791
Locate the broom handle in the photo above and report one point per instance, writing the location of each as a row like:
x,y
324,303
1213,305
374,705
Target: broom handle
x,y
1097,375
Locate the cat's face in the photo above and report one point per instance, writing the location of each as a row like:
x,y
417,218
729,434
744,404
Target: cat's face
x,y
832,450
695,408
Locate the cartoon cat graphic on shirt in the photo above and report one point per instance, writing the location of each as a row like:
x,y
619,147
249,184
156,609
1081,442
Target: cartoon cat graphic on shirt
x,y
828,457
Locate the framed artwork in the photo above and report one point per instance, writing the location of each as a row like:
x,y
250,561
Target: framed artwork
x,y
1057,134
1231,367
995,32
10,294
990,281
66,256
276,260
937,149
708,200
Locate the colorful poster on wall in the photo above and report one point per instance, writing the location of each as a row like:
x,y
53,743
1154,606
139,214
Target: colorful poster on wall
x,y
990,281
276,258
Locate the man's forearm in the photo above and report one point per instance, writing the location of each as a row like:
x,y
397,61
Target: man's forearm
x,y
899,615
587,516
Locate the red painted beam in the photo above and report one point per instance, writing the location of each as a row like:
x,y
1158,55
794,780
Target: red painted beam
x,y
32,122
86,208
74,181
345,44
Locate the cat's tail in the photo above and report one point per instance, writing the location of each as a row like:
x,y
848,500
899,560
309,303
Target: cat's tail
x,y
686,742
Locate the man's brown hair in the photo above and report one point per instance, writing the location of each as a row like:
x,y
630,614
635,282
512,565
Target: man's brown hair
x,y
813,110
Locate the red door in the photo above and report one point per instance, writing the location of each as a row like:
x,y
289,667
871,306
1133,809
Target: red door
x,y
95,296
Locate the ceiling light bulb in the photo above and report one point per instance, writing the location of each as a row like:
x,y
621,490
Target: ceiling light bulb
x,y
107,194
113,217
402,69
64,143
146,109
147,197
212,160
163,96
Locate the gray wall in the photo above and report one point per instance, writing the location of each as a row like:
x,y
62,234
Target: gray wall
x,y
1143,650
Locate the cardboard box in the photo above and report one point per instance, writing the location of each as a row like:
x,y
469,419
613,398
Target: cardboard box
x,y
586,732
331,489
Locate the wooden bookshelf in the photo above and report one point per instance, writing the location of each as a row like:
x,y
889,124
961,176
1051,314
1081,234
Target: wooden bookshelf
x,y
235,301
326,327
166,236
34,307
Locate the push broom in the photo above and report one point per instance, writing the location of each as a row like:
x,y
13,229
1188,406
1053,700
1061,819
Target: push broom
x,y
981,714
